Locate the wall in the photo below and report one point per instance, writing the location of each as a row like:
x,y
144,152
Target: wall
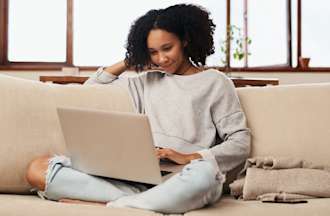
x,y
284,78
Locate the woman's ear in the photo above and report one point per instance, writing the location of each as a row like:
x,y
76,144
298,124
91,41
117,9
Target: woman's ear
x,y
185,43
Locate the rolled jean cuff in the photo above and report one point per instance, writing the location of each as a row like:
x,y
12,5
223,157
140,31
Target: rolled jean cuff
x,y
54,164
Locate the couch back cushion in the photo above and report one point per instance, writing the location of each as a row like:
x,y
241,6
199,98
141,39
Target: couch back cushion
x,y
289,120
29,126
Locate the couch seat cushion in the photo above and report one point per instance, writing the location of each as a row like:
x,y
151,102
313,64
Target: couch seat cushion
x,y
231,207
28,205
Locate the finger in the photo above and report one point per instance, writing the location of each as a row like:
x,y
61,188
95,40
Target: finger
x,y
158,152
162,155
168,151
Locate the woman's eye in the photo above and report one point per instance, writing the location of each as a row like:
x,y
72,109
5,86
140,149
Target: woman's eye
x,y
167,48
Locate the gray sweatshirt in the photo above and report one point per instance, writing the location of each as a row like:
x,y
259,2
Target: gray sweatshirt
x,y
192,113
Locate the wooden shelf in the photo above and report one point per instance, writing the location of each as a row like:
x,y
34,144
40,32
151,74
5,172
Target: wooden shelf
x,y
64,79
243,82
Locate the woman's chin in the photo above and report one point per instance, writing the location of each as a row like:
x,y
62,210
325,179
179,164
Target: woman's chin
x,y
170,70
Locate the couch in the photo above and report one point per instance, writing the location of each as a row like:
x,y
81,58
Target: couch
x,y
287,120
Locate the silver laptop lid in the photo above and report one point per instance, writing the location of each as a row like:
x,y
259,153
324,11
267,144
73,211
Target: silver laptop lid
x,y
111,144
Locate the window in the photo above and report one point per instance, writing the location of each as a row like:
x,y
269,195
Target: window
x,y
88,34
267,27
100,30
40,34
315,32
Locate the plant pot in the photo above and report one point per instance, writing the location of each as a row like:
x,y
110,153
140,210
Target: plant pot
x,y
304,62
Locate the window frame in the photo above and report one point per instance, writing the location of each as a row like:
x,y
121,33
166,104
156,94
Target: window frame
x,y
274,68
5,64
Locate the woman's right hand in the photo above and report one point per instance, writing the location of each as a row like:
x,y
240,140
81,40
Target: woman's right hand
x,y
177,157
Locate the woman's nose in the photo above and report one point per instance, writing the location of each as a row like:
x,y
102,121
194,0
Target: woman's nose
x,y
162,58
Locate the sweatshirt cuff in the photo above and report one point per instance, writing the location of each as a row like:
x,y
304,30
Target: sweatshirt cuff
x,y
103,76
206,154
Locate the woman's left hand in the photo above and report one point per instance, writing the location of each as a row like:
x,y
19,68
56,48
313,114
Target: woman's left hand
x,y
175,156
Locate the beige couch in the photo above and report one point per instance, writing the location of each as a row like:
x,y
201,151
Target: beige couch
x,y
285,121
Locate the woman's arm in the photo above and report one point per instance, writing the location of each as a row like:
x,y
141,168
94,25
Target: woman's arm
x,y
116,69
235,146
108,74
230,122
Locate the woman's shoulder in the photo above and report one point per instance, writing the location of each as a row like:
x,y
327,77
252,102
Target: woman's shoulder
x,y
216,75
215,72
146,77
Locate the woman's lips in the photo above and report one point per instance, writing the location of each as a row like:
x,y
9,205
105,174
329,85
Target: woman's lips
x,y
165,67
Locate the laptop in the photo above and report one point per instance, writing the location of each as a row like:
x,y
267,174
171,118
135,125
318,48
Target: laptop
x,y
113,144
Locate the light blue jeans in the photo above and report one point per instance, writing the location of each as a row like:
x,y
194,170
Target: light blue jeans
x,y
197,185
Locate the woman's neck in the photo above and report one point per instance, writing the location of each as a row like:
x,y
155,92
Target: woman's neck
x,y
188,69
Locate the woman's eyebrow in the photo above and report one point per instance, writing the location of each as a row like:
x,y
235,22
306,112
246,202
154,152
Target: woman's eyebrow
x,y
167,44
162,46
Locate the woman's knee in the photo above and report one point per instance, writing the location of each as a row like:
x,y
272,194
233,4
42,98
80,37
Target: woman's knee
x,y
204,175
205,168
36,172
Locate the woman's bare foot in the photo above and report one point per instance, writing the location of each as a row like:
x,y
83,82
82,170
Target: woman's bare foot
x,y
72,201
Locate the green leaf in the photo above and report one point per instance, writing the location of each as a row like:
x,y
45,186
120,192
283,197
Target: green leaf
x,y
240,56
237,40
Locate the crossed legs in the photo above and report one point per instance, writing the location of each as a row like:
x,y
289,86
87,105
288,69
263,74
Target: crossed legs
x,y
197,185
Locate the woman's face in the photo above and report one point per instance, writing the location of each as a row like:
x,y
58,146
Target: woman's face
x,y
166,51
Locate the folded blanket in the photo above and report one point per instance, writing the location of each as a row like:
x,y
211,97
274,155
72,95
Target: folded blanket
x,y
280,163
274,179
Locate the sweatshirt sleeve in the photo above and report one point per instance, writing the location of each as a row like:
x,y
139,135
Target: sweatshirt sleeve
x,y
101,77
230,123
134,85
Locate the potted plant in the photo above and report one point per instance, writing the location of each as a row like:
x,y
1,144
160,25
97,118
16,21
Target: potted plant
x,y
303,62
237,40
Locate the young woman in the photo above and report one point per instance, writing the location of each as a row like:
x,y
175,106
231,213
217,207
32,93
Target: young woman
x,y
195,116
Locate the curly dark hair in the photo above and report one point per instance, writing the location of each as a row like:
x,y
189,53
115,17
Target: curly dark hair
x,y
190,23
